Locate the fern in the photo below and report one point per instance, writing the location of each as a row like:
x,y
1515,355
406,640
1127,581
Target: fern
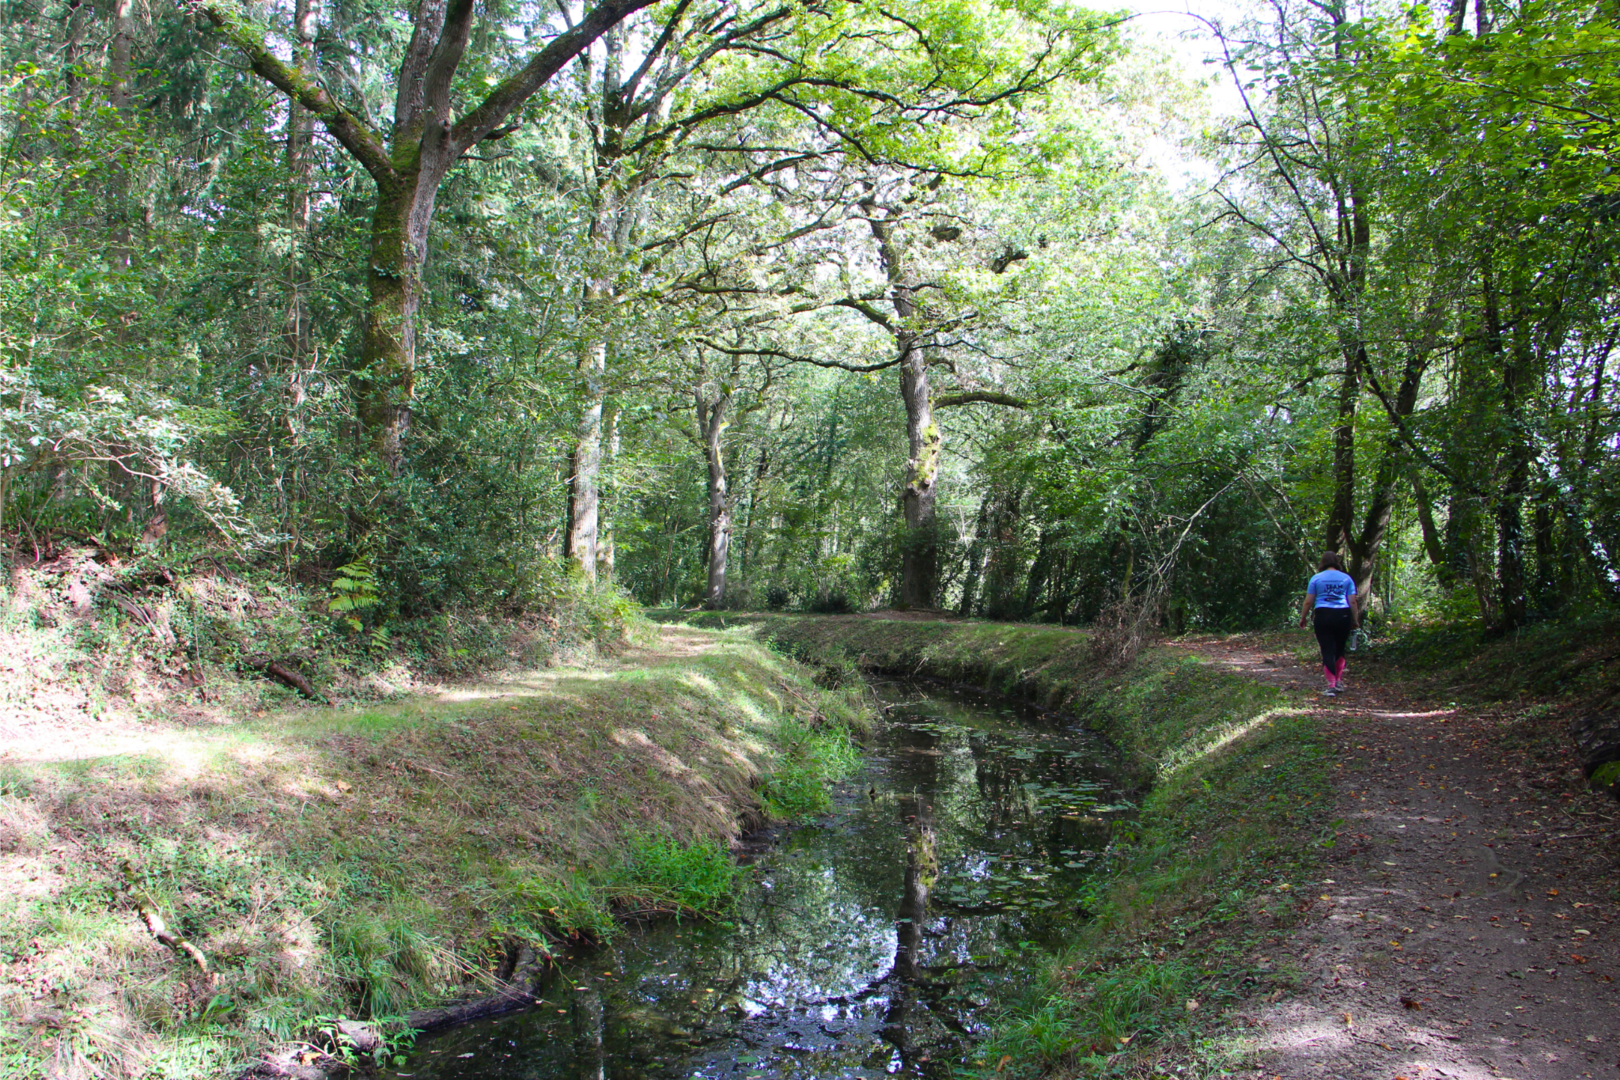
x,y
355,590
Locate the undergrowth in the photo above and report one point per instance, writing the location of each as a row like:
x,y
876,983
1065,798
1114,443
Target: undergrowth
x,y
85,635
1572,659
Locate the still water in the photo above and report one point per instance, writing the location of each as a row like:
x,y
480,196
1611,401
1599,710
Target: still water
x,y
870,942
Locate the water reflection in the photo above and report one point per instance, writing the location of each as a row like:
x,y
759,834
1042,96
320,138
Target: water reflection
x,y
870,941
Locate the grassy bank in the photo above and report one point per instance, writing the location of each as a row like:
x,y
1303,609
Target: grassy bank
x,y
1214,866
365,861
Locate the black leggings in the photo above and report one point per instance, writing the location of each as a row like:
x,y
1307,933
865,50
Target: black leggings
x,y
1333,626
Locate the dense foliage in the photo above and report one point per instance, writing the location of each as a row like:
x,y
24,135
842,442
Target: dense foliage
x,y
817,306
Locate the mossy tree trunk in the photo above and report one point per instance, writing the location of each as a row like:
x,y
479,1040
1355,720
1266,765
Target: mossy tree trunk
x,y
385,384
919,563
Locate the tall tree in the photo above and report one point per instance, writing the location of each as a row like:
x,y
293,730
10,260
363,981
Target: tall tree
x,y
408,161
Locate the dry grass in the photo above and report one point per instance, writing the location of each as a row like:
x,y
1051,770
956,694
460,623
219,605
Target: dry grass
x,y
355,859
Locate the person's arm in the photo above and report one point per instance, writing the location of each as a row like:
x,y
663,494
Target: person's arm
x,y
1355,608
1305,608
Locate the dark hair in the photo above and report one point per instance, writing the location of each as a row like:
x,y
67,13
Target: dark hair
x,y
1331,561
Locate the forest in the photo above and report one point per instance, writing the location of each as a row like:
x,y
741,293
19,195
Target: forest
x,y
472,471
1000,307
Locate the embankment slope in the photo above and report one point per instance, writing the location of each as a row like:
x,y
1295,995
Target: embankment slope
x,y
370,861
1413,879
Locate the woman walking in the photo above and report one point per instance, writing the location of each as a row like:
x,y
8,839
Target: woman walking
x,y
1332,593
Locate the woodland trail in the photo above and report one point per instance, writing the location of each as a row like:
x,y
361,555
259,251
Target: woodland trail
x,y
1466,925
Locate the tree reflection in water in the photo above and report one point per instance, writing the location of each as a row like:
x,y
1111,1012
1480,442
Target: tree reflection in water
x,y
589,1057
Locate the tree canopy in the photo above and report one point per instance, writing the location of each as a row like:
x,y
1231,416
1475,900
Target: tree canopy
x,y
986,306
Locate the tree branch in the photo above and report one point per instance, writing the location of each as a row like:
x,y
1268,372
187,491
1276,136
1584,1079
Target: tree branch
x,y
657,50
980,397
795,358
515,90
441,69
865,309
347,128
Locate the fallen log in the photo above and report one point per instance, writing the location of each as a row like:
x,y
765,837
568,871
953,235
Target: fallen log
x,y
517,993
154,922
287,676
1597,742
305,1062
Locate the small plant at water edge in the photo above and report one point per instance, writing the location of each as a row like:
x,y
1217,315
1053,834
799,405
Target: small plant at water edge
x,y
665,875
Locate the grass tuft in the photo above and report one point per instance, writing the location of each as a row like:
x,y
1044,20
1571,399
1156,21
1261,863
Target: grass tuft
x,y
662,874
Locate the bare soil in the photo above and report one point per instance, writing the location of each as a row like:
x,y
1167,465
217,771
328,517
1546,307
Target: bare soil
x,y
1466,923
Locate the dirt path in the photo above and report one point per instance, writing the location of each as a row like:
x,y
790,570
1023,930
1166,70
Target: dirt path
x,y
62,725
1467,924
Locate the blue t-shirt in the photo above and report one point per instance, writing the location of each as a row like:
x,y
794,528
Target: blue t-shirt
x,y
1332,588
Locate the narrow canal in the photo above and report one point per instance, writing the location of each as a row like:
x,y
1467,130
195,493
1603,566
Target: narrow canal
x,y
870,942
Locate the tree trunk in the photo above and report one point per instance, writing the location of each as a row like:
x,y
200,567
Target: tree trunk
x,y
1433,544
1549,581
1567,473
1040,570
119,54
585,464
761,472
1341,516
1346,284
1515,364
123,486
300,167
607,235
78,25
919,546
919,564
1367,546
975,557
1004,562
386,382
119,58
606,550
711,416
1510,541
